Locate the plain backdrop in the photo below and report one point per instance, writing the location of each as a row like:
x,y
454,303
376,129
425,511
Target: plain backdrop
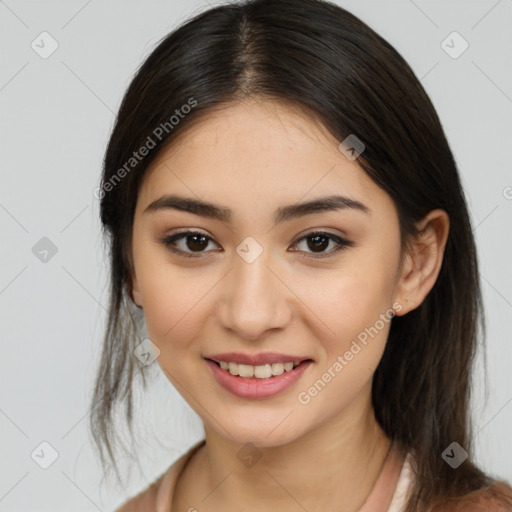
x,y
56,114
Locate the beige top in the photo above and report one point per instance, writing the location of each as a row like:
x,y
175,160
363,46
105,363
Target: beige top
x,y
388,493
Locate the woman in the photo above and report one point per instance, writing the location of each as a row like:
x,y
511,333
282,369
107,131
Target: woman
x,y
284,209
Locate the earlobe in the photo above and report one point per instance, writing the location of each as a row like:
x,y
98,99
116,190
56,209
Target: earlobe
x,y
423,260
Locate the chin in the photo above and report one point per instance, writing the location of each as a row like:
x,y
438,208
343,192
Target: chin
x,y
264,434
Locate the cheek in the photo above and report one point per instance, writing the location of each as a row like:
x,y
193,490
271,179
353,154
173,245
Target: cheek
x,y
356,307
355,302
171,310
349,299
174,299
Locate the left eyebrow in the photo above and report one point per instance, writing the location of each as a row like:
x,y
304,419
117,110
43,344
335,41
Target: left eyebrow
x,y
282,214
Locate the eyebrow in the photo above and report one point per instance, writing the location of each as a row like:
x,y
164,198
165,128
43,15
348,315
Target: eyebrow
x,y
282,214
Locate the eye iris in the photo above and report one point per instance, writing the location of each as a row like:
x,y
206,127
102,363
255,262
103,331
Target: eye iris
x,y
317,244
197,246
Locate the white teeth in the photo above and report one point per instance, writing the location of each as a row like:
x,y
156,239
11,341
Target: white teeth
x,y
264,371
277,368
244,370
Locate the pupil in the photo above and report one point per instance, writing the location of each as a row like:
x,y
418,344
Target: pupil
x,y
193,246
316,244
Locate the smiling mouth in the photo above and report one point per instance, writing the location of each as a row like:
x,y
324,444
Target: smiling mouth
x,y
265,371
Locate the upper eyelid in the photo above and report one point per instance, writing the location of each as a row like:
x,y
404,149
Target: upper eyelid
x,y
193,231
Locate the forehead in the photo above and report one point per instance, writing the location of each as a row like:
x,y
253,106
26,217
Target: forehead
x,y
257,130
257,153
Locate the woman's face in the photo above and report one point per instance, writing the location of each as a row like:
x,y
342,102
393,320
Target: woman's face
x,y
257,280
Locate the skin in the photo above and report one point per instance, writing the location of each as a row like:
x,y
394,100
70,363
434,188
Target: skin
x,y
254,157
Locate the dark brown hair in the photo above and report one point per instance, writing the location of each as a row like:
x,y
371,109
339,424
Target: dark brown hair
x,y
323,59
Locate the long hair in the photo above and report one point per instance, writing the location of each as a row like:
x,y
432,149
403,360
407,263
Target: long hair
x,y
323,59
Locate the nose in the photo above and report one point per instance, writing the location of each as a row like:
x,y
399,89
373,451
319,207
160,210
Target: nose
x,y
254,299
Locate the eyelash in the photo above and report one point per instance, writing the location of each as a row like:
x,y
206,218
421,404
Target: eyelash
x,y
342,243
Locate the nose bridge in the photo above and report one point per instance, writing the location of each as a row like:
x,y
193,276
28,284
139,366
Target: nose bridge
x,y
255,299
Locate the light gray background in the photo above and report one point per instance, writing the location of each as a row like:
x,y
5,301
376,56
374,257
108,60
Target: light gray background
x,y
56,116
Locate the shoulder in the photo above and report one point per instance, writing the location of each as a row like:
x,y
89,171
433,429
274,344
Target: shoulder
x,y
495,498
161,490
145,500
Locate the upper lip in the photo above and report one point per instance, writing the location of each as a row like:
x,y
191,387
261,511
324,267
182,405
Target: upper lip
x,y
256,359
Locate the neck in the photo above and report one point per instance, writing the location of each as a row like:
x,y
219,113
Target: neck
x,y
340,461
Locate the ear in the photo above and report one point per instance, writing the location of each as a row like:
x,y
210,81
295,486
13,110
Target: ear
x,y
422,261
135,290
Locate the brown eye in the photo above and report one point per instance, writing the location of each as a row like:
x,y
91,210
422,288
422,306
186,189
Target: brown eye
x,y
195,242
318,241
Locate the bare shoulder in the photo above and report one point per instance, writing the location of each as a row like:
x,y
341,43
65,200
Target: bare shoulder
x,y
495,498
144,501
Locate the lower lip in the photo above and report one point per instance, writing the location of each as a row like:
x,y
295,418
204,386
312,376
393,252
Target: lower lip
x,y
252,387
